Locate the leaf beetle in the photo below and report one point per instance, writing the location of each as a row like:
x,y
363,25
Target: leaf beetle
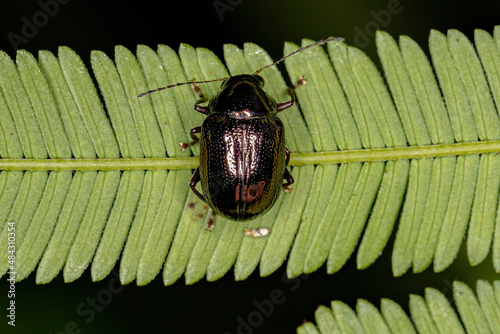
x,y
243,157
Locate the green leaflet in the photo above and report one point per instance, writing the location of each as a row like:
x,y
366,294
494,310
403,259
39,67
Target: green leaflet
x,y
23,210
421,315
346,318
418,155
88,104
66,227
92,224
40,229
325,320
370,318
489,304
396,318
17,106
159,237
470,311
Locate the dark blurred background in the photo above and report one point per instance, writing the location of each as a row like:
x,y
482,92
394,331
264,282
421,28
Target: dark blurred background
x,y
219,307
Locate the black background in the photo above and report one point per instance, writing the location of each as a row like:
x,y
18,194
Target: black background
x,y
218,307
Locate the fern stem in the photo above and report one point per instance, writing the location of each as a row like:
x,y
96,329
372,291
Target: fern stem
x,y
99,164
297,159
396,153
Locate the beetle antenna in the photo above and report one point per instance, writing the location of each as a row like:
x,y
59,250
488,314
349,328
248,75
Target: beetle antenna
x,y
179,84
324,41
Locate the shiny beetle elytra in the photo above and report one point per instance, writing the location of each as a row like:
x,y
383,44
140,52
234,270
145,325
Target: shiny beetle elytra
x,y
243,157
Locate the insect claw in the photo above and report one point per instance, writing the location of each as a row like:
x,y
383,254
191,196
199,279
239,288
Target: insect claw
x,y
210,223
302,81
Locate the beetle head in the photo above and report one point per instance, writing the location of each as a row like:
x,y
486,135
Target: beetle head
x,y
251,79
242,96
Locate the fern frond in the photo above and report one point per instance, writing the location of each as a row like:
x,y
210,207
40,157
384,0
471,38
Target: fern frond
x,y
419,154
433,313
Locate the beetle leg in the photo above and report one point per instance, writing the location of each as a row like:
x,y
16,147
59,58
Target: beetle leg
x,y
194,181
290,91
198,107
198,92
289,181
287,155
201,109
193,133
192,184
287,176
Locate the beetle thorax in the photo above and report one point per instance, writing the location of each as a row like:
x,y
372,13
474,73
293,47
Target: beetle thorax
x,y
242,97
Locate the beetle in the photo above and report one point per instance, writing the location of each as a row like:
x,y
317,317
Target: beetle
x,y
243,156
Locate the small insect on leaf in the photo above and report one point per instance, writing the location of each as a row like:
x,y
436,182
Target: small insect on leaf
x,y
257,232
